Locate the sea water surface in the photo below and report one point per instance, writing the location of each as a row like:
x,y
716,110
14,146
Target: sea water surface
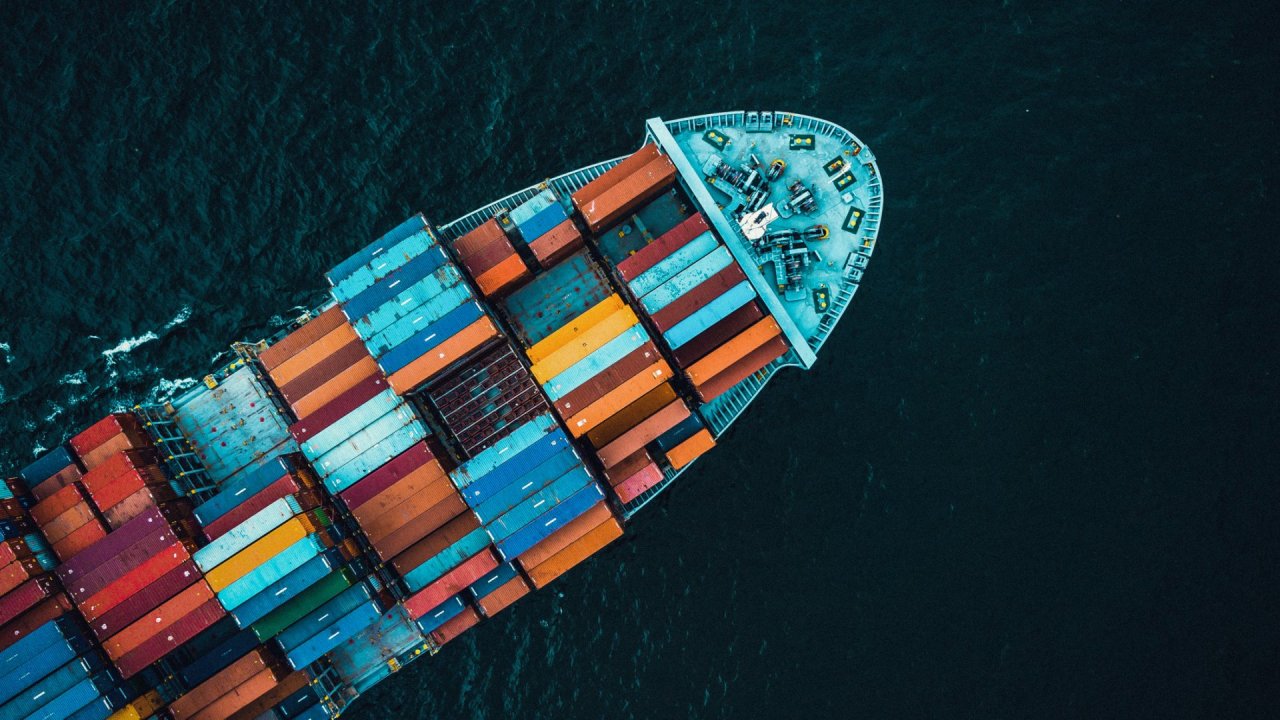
x,y
1033,473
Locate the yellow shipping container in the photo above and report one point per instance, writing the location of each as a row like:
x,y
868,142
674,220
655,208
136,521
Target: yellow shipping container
x,y
557,339
585,343
262,550
143,707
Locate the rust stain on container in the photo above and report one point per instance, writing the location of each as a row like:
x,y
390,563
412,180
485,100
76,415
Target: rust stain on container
x,y
438,358
738,347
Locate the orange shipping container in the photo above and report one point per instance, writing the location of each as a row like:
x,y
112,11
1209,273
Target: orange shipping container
x,y
68,522
511,591
615,203
643,434
231,676
158,620
634,414
503,277
292,683
442,356
558,339
556,244
615,174
735,349
240,696
258,552
628,467
333,341
577,551
431,545
619,398
134,580
687,451
564,537
45,511
330,390
78,540
459,624
411,532
379,525
304,336
739,371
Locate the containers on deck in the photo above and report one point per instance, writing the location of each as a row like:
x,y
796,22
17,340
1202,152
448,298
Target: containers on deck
x,y
607,199
487,254
546,228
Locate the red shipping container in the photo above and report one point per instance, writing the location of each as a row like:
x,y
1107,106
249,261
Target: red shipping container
x,y
339,407
670,241
287,485
486,234
608,379
135,606
430,544
299,339
134,581
556,244
79,539
15,573
13,549
107,429
238,697
324,370
488,256
128,483
698,297
58,480
31,620
200,696
115,466
25,597
116,566
68,522
740,370
511,591
154,521
457,625
384,477
61,501
615,174
717,335
141,499
160,618
161,644
631,488
643,434
451,583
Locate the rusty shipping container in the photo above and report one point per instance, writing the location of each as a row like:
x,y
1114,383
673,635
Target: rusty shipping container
x,y
334,387
742,369
574,553
303,337
632,415
324,370
313,354
556,244
717,335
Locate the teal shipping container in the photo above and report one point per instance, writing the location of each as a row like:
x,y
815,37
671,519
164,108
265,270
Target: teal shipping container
x,y
244,534
243,487
447,559
709,314
687,279
40,664
494,580
531,480
393,284
445,277
353,422
55,684
333,635
491,457
419,319
595,363
323,616
375,252
367,437
667,267
387,262
393,635
424,340
35,642
525,211
535,532
538,503
271,571
286,588
375,457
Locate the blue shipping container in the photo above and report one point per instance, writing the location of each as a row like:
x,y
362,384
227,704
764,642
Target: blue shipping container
x,y
46,466
353,422
444,278
373,272
538,503
370,252
424,340
271,571
593,364
419,319
558,517
534,205
230,648
35,642
538,225
392,635
55,684
530,480
447,559
241,489
667,267
99,709
41,665
441,614
334,635
687,279
244,534
491,457
709,314
286,588
324,616
375,457
385,290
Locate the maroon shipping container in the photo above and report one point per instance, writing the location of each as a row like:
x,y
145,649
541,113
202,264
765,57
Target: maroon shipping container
x,y
634,463
31,620
287,485
643,434
421,526
299,339
161,644
488,257
154,521
79,539
706,291
61,501
60,479
87,584
324,370
141,499
432,544
486,234
717,335
615,174
68,522
339,407
670,241
384,477
143,601
608,379
15,573
556,244
26,596
742,369
11,509
107,429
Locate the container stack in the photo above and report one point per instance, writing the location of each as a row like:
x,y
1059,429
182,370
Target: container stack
x,y
486,397
233,424
68,521
546,228
341,617
404,500
54,470
608,199
374,653
128,483
29,596
410,305
140,591
492,261
319,361
233,688
56,671
701,302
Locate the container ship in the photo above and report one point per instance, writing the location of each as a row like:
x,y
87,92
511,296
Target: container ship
x,y
480,407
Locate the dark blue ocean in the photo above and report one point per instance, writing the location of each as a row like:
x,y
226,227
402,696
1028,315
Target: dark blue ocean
x,y
1034,473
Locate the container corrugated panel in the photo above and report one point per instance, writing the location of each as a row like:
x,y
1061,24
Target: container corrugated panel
x,y
643,434
668,243
269,703
365,438
242,488
427,547
402,308
619,398
332,389
324,371
574,553
482,236
628,194
492,580
583,344
538,225
486,461
566,534
286,588
102,685
379,257
403,464
502,597
595,363
338,408
428,572
365,269
457,625
40,664
615,174
334,635
46,510
632,486
122,560
215,649
26,596
47,466
486,258
688,303
216,685
503,277
131,607
394,283
542,526
710,314
415,324
441,614
239,696
176,635
679,433
538,503
419,527
306,602
157,619
425,339
556,244
699,272
400,504
297,702
287,485
27,622
527,479
133,582
526,210
716,335
105,430
392,635
738,347
671,266
355,421
296,341
100,478
740,370
441,356
631,416
323,616
377,456
51,686
270,571
687,451
53,483
14,657
313,355
450,584
240,537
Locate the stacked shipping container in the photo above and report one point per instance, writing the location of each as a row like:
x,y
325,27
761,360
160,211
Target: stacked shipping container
x,y
546,228
610,197
492,261
410,305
